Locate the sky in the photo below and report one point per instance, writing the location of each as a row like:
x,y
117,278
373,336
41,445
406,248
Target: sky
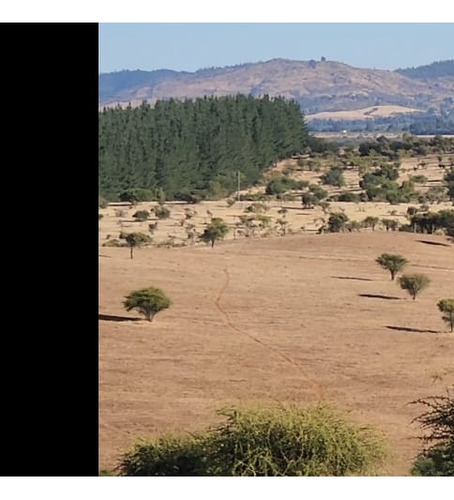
x,y
191,46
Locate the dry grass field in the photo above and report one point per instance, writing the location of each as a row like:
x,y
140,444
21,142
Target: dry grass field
x,y
294,318
361,114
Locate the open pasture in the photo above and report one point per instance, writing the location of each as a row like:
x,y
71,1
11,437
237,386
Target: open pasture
x,y
285,319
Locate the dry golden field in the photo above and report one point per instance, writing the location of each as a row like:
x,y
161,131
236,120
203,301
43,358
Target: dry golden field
x,y
290,318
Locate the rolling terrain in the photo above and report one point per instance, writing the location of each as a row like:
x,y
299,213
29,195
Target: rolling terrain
x,y
318,86
296,318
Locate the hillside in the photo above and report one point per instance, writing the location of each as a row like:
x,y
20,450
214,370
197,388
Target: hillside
x,y
318,86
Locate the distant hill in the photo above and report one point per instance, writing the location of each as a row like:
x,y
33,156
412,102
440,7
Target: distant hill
x,y
434,70
318,86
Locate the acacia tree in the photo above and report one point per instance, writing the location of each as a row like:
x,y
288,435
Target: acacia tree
x,y
414,283
438,421
215,230
148,301
371,222
391,262
447,306
136,240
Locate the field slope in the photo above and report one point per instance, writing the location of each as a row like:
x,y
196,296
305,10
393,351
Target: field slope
x,y
294,318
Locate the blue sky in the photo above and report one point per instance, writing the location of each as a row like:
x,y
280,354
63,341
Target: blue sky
x,y
191,46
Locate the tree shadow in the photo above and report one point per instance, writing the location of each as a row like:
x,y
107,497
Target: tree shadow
x,y
437,243
377,296
351,278
407,329
107,256
110,317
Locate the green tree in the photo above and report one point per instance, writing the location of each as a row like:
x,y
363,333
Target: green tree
x,y
161,212
390,224
337,222
135,240
142,215
414,283
371,222
214,231
392,263
147,301
446,306
334,177
438,421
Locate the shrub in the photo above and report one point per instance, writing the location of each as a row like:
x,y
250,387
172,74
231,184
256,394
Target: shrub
x,y
161,212
114,243
318,192
390,224
337,222
349,197
141,215
334,177
287,441
371,222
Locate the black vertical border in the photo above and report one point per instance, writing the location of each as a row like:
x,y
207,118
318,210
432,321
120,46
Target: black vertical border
x,y
49,352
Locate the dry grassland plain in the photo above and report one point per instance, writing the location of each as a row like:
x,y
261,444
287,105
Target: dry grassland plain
x,y
294,318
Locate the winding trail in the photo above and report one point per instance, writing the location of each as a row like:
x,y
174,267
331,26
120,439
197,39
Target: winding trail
x,y
318,388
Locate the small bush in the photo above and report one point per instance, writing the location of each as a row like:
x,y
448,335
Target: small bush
x,y
287,441
161,212
349,197
141,215
115,243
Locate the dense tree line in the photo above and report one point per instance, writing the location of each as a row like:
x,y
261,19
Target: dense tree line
x,y
180,147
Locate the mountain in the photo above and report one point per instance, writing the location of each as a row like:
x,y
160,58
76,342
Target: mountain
x,y
318,86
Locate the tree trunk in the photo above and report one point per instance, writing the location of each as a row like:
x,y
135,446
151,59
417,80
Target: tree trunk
x,y
393,274
131,252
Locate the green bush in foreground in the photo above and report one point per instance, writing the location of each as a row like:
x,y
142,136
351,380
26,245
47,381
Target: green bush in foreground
x,y
287,441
